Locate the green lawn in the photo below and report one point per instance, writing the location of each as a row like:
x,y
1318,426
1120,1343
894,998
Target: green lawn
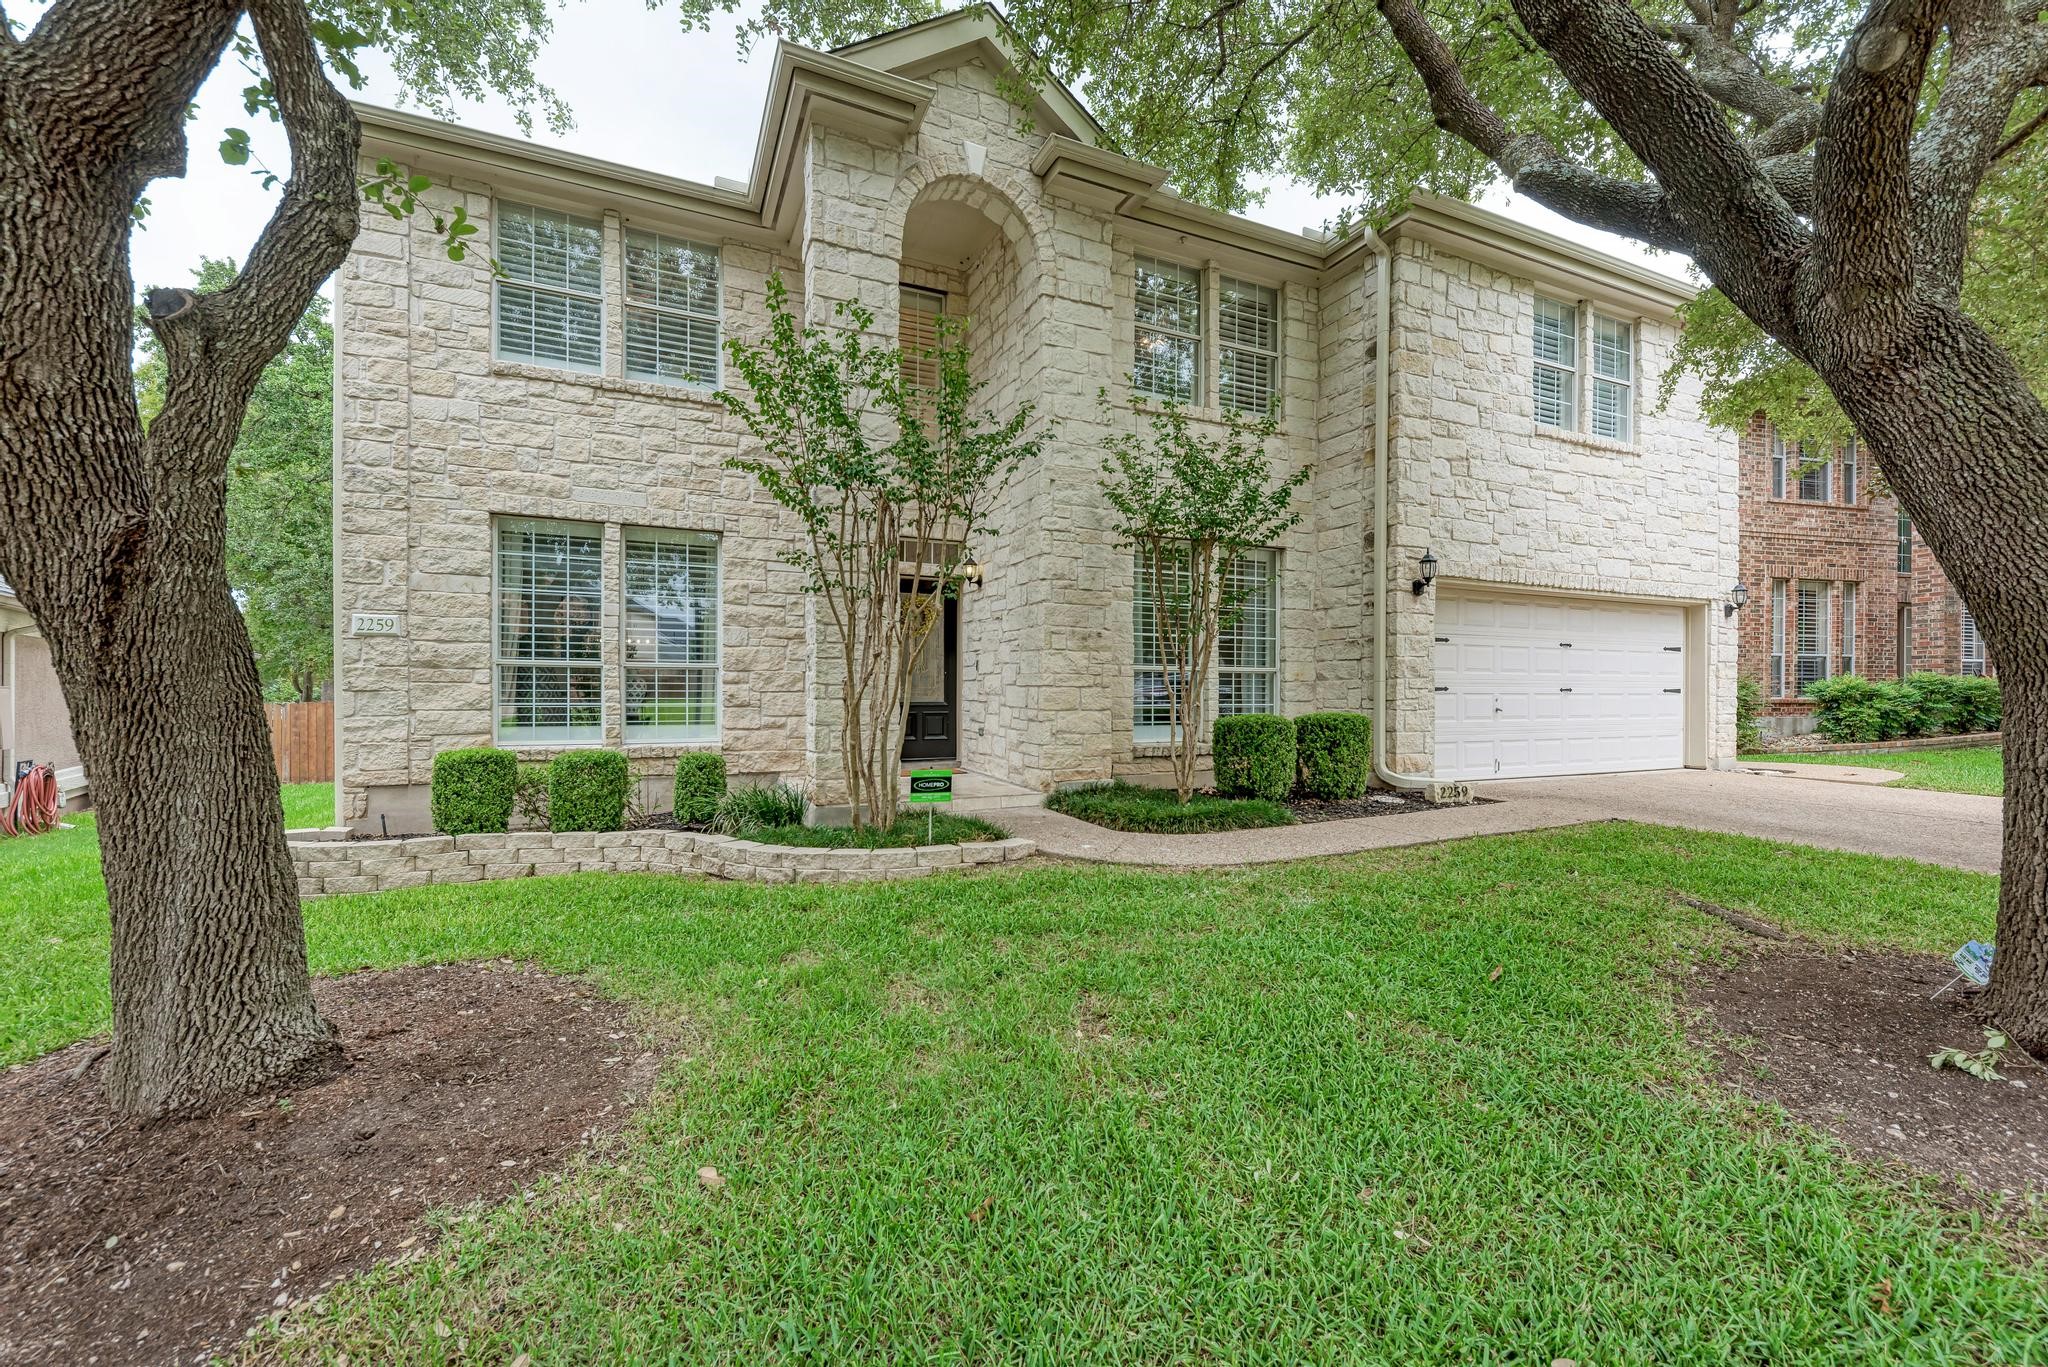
x,y
1060,1114
307,804
1979,769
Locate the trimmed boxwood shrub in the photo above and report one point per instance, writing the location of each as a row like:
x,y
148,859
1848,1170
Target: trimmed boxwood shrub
x,y
1854,709
1334,751
1979,704
700,786
1254,756
587,790
473,790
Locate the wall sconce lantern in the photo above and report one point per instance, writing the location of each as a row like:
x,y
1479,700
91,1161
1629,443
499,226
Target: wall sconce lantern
x,y
1738,598
1428,573
971,572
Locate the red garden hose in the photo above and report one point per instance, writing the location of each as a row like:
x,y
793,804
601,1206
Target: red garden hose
x,y
33,808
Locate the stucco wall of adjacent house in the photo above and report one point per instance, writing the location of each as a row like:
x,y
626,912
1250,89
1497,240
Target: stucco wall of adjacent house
x,y
1506,504
34,722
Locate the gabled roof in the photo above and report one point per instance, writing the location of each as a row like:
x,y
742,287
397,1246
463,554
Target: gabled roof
x,y
979,29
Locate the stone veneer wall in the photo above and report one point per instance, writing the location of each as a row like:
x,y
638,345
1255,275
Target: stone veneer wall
x,y
1505,503
328,867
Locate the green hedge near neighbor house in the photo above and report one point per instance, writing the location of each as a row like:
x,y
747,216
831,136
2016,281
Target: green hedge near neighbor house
x,y
1856,709
587,790
1333,752
473,790
1254,754
700,787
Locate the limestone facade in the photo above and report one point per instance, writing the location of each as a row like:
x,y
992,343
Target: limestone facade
x,y
902,162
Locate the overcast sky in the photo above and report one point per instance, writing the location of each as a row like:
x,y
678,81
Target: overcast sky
x,y
644,93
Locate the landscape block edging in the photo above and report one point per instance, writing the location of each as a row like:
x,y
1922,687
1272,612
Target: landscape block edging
x,y
328,867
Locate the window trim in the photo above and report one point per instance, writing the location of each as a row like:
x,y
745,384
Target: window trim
x,y
531,737
1595,379
674,735
500,284
1139,328
1570,373
628,308
1273,356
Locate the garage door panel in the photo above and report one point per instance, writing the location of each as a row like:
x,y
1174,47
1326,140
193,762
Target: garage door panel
x,y
1557,686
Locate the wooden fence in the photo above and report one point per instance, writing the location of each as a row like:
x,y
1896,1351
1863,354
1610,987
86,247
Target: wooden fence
x,y
302,740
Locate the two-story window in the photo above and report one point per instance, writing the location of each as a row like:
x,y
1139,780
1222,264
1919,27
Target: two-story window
x,y
1167,353
550,648
1247,664
550,300
1608,384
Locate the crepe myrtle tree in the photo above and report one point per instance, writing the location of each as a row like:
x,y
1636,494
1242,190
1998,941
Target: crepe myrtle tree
x,y
1819,160
1188,505
890,481
115,535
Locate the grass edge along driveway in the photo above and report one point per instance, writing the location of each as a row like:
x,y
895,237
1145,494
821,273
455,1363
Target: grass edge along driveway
x,y
1085,1114
1978,769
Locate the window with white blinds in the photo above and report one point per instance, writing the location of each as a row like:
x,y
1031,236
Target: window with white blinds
x,y
1248,346
1973,645
1154,711
1614,371
1848,628
549,638
550,300
1556,342
671,632
672,309
1777,638
1811,662
1816,481
1166,363
919,312
1779,460
1248,649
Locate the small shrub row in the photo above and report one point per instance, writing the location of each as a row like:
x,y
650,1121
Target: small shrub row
x,y
1853,709
478,791
1324,755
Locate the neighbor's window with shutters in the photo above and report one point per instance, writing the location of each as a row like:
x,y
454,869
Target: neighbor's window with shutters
x,y
1614,361
549,647
1812,660
1153,713
671,628
672,309
1248,649
1973,645
1777,638
1851,470
550,304
1248,338
1848,628
1167,341
1556,342
919,313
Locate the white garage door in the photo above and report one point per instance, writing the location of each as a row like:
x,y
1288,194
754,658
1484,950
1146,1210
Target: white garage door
x,y
1531,686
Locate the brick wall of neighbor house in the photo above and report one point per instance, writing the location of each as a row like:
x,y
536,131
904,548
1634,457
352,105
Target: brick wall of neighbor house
x,y
1503,502
1840,543
436,438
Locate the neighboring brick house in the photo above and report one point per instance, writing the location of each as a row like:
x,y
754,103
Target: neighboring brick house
x,y
539,543
1837,580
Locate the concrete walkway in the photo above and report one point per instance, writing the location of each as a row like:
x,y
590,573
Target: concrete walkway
x,y
1955,829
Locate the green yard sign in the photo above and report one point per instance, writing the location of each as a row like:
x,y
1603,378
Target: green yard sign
x,y
931,785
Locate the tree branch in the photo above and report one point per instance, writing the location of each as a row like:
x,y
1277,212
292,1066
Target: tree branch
x,y
217,345
1532,164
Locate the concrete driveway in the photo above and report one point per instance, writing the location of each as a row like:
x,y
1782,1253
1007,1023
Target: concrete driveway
x,y
1957,829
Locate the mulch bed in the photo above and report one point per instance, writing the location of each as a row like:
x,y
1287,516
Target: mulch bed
x,y
1312,809
130,1242
1840,1039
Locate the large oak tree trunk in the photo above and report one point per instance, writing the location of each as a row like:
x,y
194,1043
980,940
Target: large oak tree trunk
x,y
115,538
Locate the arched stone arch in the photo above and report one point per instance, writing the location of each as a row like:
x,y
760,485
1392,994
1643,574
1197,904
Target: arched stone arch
x,y
945,178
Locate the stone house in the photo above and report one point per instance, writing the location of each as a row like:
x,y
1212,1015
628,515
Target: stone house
x,y
539,543
1839,583
35,724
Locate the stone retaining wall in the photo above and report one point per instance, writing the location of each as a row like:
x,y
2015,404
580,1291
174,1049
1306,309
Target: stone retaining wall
x,y
327,867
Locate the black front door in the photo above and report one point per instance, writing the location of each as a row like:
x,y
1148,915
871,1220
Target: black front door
x,y
933,726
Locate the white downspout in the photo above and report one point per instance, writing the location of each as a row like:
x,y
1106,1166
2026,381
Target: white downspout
x,y
1383,290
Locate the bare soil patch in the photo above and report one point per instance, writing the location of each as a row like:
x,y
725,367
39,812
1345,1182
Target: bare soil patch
x,y
129,1242
1840,1039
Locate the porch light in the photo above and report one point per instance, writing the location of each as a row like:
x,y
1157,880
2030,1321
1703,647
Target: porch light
x,y
1428,573
1738,598
971,572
